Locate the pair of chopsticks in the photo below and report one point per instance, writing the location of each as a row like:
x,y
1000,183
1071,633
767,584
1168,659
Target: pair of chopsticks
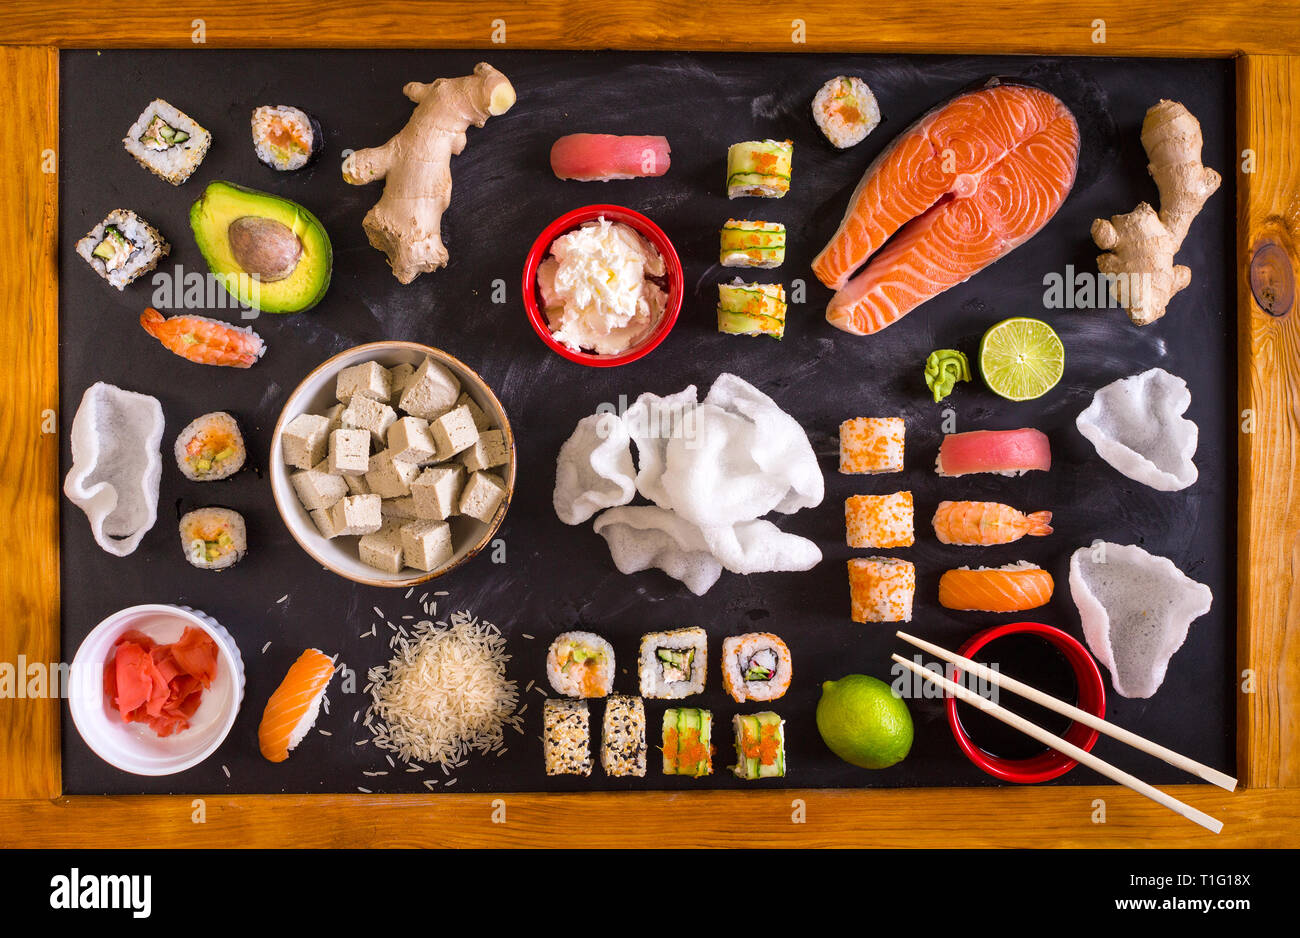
x,y
1062,746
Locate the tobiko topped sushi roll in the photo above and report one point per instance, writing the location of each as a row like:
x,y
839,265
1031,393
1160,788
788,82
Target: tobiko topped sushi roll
x,y
755,666
210,448
286,138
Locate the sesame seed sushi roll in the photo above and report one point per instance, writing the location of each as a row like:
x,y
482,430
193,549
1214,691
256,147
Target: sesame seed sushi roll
x,y
286,138
879,521
688,742
566,737
210,448
752,244
759,167
755,666
623,743
881,589
167,142
122,247
760,745
580,664
673,664
213,538
871,445
845,111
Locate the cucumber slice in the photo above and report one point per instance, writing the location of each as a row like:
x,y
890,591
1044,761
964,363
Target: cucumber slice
x,y
705,766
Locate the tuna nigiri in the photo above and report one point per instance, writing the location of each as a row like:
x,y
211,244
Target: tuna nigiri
x,y
1005,452
984,523
291,712
1013,588
601,157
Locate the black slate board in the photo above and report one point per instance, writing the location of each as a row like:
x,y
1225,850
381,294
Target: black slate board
x,y
557,577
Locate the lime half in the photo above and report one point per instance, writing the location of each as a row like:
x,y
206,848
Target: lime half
x,y
1021,358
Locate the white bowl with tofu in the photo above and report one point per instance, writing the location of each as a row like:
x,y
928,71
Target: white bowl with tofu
x,y
392,463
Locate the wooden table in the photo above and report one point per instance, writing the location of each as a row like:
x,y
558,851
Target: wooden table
x,y
1264,40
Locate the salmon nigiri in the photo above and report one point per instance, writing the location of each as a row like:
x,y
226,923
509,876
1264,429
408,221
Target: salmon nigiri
x,y
983,523
291,712
1013,588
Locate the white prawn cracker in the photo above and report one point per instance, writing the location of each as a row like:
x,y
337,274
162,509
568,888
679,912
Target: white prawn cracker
x,y
594,469
116,465
1137,426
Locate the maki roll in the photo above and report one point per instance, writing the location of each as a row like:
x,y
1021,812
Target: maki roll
x,y
752,244
760,745
755,666
845,111
871,445
580,664
213,538
879,521
286,138
167,142
759,167
623,745
210,448
751,308
673,664
122,247
688,742
566,737
881,589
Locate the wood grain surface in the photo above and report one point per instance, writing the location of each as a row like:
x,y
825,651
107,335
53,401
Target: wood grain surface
x,y
1131,27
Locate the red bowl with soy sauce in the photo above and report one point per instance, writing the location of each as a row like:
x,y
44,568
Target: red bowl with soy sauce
x,y
1049,660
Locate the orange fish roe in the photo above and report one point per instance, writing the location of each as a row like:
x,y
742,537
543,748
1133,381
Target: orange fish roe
x,y
871,445
879,521
881,589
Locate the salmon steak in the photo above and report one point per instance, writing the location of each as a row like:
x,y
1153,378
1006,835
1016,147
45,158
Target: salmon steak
x,y
970,181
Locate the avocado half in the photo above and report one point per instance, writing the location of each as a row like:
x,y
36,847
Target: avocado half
x,y
269,252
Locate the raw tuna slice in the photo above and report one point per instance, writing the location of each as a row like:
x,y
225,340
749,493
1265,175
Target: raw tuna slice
x,y
970,181
601,157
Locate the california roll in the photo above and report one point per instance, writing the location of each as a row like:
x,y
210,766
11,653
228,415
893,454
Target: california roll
x,y
213,538
580,664
210,448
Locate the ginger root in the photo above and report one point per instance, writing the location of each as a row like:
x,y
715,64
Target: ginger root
x,y
406,222
1142,244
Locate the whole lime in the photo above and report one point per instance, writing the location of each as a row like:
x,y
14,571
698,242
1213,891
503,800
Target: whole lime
x,y
863,723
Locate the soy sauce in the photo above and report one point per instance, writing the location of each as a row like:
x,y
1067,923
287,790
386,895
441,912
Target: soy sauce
x,y
1036,662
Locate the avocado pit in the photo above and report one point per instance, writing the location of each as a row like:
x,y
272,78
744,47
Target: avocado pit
x,y
264,247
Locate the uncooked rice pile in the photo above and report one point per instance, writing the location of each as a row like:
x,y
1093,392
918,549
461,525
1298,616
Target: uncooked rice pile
x,y
444,694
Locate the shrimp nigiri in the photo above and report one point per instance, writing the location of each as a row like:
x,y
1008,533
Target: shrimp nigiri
x,y
205,341
291,711
984,523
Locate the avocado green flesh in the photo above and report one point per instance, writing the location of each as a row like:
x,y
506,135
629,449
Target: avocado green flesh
x,y
223,203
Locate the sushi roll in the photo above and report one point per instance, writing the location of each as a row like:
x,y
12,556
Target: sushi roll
x,y
167,142
673,664
845,111
213,538
688,742
291,712
759,167
286,138
870,445
210,448
580,664
752,244
755,666
879,521
881,589
566,737
622,743
760,745
751,308
122,247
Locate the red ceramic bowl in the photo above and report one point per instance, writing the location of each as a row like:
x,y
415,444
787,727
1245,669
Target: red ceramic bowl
x,y
644,227
1092,698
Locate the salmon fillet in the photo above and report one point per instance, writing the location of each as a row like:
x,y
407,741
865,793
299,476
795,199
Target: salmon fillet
x,y
970,181
1007,589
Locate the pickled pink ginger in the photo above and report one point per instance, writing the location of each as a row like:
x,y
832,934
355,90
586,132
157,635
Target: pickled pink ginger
x,y
161,685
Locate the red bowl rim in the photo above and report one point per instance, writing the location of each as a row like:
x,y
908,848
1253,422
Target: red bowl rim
x,y
1092,698
643,226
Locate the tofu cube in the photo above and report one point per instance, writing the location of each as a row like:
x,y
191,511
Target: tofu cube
x,y
335,416
481,420
453,432
398,509
357,514
349,452
317,487
409,440
482,494
382,550
390,477
430,392
324,523
357,485
399,376
305,440
369,379
364,413
488,450
426,545
436,492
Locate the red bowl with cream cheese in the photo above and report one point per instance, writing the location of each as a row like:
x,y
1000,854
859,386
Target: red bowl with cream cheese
x,y
646,229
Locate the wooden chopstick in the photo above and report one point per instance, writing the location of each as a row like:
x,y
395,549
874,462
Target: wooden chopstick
x,y
1062,746
1175,759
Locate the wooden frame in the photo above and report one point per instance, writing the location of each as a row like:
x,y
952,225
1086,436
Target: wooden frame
x,y
1266,44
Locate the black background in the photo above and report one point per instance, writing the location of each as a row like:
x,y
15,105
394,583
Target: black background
x,y
556,577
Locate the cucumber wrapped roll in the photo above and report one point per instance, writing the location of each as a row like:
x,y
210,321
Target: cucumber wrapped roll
x,y
759,167
752,244
760,745
751,308
688,742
